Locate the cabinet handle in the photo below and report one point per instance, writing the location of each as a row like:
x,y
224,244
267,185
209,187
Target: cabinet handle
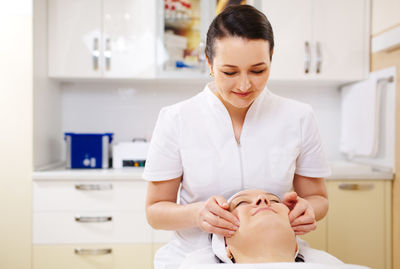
x,y
93,187
97,251
93,219
307,60
95,54
319,58
107,54
355,186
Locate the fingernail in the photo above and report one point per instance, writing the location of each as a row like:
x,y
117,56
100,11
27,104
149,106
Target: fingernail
x,y
235,227
237,222
231,232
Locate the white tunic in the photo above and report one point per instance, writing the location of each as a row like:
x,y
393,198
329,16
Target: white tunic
x,y
195,138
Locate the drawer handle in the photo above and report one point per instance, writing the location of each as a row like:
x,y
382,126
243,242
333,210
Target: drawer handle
x,y
93,219
319,58
307,60
355,186
98,251
94,187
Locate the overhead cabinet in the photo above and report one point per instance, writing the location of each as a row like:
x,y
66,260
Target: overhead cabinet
x,y
102,39
319,39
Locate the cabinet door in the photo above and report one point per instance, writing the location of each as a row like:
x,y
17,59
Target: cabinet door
x,y
358,230
291,24
341,37
74,38
92,256
317,239
129,38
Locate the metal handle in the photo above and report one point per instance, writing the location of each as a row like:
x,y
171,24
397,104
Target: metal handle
x,y
95,54
97,251
307,60
319,58
107,54
93,187
355,186
93,219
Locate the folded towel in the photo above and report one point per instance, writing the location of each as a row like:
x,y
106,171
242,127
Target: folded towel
x,y
360,118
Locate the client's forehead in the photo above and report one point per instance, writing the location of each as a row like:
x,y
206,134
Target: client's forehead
x,y
252,193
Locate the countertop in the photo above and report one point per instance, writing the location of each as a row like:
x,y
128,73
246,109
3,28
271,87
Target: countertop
x,y
340,171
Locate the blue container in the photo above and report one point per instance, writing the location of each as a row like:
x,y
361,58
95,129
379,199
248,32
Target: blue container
x,y
88,150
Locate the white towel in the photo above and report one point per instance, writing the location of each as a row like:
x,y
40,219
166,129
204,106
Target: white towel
x,y
360,118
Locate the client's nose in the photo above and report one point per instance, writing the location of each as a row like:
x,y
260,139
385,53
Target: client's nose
x,y
262,199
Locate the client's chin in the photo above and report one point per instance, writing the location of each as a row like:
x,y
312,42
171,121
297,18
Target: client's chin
x,y
263,240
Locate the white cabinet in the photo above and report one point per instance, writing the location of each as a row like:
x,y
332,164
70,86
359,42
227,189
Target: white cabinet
x,y
357,229
92,256
102,39
319,39
105,219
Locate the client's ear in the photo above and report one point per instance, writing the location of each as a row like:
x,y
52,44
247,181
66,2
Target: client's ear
x,y
297,250
229,253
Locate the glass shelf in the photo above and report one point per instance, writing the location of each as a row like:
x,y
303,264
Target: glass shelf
x,y
183,45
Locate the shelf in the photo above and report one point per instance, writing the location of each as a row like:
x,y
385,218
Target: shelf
x,y
341,170
62,173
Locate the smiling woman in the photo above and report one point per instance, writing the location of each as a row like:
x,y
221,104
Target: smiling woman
x,y
233,135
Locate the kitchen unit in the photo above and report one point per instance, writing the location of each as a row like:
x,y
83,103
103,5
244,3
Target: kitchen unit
x,y
127,39
318,39
95,218
105,53
102,39
100,219
146,39
357,228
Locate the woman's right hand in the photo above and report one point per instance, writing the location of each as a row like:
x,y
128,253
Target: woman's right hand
x,y
214,217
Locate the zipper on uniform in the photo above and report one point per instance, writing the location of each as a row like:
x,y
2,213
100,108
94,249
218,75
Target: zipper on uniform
x,y
241,166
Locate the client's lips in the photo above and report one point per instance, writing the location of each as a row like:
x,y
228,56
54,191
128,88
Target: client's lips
x,y
264,208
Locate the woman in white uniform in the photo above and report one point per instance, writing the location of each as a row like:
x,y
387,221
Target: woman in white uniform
x,y
233,135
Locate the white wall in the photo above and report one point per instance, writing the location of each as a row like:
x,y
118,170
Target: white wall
x,y
47,96
130,110
15,133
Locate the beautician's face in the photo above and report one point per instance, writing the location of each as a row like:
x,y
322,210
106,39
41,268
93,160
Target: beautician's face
x,y
241,69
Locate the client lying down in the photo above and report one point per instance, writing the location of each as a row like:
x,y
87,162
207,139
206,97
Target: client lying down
x,y
265,236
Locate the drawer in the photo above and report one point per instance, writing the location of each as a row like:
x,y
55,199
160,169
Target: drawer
x,y
90,227
89,196
92,256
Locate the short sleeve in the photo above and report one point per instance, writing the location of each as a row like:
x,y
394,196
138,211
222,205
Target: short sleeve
x,y
311,161
163,160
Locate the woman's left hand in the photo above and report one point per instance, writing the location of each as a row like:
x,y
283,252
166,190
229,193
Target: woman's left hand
x,y
301,215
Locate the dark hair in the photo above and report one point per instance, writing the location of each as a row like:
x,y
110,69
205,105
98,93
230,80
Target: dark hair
x,y
239,21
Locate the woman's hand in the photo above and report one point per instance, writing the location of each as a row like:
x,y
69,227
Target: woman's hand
x,y
301,216
214,217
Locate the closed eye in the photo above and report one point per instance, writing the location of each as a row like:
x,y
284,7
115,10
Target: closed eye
x,y
241,202
229,73
258,72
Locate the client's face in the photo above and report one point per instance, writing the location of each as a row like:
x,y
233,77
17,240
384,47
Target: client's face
x,y
250,205
264,223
